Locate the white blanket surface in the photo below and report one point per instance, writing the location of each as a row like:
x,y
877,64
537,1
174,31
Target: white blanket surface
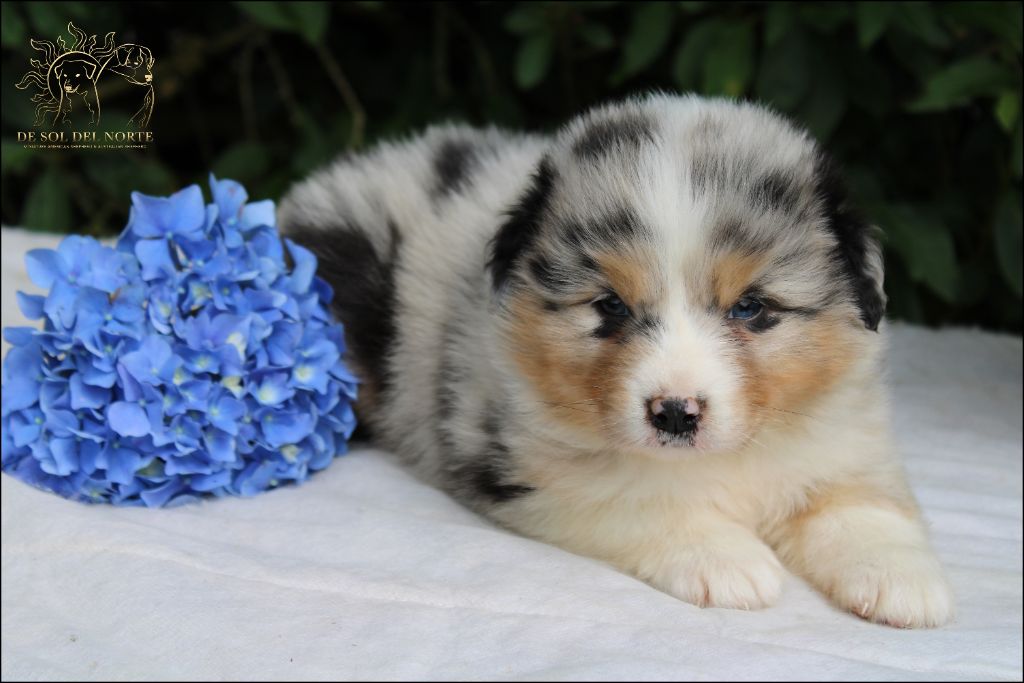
x,y
366,573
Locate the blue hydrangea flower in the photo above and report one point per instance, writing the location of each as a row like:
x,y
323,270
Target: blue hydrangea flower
x,y
196,357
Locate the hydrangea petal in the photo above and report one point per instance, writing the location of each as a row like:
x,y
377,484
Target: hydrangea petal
x,y
60,304
182,213
258,214
305,267
122,465
159,495
31,305
44,267
155,258
64,454
280,428
128,419
20,391
86,396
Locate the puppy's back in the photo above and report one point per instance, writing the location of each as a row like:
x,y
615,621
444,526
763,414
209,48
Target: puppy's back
x,y
397,232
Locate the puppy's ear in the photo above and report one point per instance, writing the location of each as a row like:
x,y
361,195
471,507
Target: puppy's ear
x,y
90,70
522,225
857,248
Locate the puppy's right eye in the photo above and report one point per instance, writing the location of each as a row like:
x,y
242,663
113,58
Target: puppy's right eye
x,y
612,307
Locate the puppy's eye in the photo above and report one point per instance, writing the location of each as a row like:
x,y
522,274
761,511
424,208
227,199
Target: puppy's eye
x,y
746,309
612,306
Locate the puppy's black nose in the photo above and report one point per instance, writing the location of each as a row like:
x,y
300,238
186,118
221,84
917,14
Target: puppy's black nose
x,y
674,415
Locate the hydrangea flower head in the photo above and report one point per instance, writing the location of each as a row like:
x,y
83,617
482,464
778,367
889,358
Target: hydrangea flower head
x,y
196,357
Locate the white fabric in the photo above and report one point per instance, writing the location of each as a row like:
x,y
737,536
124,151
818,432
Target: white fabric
x,y
365,573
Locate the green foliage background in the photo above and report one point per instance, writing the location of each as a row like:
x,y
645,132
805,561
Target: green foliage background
x,y
920,101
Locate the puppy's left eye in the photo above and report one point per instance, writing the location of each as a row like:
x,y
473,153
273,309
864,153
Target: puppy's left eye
x,y
612,306
746,309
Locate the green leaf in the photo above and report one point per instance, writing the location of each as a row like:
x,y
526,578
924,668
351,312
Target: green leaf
x,y
824,107
1007,109
310,19
648,35
692,52
1017,150
533,60
269,14
917,19
825,17
730,62
1008,241
244,162
525,18
1004,20
14,158
12,27
784,74
596,36
48,205
872,20
778,22
961,82
151,177
904,299
924,246
47,20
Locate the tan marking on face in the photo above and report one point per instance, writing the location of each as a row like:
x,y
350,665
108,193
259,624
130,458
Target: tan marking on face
x,y
579,378
794,369
629,275
732,274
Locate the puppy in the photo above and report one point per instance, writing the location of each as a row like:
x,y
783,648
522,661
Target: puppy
x,y
655,338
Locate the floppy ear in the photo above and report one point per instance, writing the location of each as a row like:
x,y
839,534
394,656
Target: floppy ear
x,y
857,248
522,226
90,70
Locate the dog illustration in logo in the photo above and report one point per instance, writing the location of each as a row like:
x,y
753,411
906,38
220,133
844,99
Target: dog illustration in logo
x,y
75,74
134,63
92,72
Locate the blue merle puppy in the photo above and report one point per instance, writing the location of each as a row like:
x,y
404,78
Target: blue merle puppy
x,y
653,338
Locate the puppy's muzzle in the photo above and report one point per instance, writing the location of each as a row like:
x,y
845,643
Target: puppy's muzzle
x,y
677,416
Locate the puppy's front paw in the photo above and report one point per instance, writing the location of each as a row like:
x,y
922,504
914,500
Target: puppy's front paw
x,y
898,586
738,572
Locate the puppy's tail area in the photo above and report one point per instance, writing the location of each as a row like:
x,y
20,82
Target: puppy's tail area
x,y
362,275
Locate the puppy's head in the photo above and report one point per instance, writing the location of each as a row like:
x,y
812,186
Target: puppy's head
x,y
681,272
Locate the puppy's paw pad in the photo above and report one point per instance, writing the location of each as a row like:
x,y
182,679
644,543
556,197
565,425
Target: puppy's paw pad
x,y
904,588
739,575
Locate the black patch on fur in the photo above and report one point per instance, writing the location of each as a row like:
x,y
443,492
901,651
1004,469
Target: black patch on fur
x,y
621,329
730,235
774,192
486,475
362,433
852,233
707,170
603,137
364,289
618,227
522,227
763,323
552,306
542,271
486,480
611,326
453,162
587,263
